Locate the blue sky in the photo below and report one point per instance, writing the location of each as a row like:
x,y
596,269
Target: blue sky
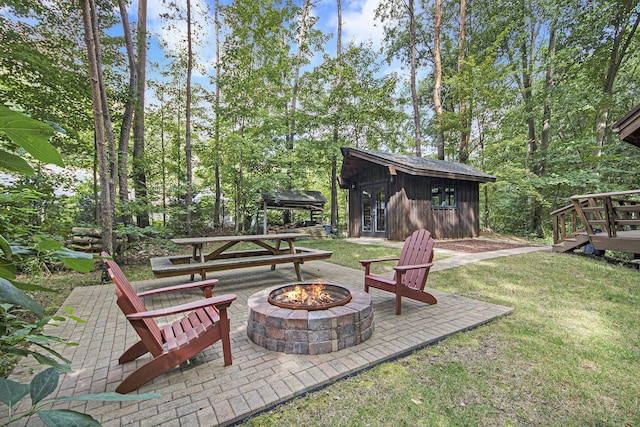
x,y
358,18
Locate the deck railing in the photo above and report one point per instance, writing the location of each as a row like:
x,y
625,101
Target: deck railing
x,y
565,219
608,212
594,213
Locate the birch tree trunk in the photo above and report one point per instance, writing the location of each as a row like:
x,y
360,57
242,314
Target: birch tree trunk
x,y
216,125
127,118
139,172
463,149
187,139
89,19
437,87
414,88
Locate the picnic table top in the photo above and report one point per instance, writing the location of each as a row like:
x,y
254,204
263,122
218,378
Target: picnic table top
x,y
243,238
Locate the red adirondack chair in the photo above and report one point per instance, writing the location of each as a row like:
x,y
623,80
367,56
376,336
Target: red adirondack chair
x,y
205,323
411,271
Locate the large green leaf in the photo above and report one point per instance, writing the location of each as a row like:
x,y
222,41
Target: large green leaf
x,y
42,359
66,418
11,162
31,287
78,261
9,293
7,269
5,246
29,134
43,384
49,244
12,392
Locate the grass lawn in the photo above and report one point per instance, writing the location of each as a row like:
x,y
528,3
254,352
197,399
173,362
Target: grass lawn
x,y
569,354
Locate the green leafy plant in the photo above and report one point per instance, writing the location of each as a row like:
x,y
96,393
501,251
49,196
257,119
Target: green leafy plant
x,y
20,336
42,385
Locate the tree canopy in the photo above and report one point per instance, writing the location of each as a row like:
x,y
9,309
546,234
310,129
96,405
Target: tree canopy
x,y
526,91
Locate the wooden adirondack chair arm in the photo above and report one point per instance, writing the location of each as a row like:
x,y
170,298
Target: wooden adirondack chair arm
x,y
369,261
405,268
210,283
222,303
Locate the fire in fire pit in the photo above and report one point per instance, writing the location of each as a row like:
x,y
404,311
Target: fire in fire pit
x,y
293,324
309,296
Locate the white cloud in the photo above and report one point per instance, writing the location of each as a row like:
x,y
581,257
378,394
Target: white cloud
x,y
359,22
174,34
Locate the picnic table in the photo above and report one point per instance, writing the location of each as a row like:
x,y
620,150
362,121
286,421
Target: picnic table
x,y
269,251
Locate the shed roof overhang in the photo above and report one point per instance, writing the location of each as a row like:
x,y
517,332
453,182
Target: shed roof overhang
x,y
628,127
292,199
355,159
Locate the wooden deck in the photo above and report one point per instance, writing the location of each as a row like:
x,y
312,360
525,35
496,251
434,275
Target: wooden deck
x,y
607,221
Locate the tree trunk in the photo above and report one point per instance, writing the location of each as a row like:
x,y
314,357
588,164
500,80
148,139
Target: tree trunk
x,y
526,58
89,18
216,126
414,66
545,135
296,82
139,168
463,149
187,144
617,55
336,125
334,192
108,127
127,118
437,87
163,161
527,96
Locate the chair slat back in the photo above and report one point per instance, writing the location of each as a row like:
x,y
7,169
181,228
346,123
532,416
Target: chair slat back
x,y
417,249
129,302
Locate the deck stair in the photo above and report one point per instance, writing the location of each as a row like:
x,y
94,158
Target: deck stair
x,y
571,243
607,221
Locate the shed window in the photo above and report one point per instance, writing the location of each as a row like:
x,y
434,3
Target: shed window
x,y
443,198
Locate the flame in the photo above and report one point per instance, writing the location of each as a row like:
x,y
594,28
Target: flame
x,y
314,295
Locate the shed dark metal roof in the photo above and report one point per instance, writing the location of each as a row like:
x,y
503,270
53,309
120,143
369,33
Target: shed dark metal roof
x,y
355,159
628,127
292,199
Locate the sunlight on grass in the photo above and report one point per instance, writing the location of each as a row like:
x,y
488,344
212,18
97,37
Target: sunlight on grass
x,y
586,325
568,355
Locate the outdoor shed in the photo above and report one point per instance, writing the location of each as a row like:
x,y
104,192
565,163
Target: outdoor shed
x,y
392,195
289,200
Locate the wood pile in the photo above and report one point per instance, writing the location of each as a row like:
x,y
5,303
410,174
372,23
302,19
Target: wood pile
x,y
85,239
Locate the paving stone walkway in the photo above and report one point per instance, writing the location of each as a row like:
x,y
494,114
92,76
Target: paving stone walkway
x,y
204,392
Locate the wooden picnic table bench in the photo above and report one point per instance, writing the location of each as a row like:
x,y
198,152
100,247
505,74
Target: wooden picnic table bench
x,y
221,258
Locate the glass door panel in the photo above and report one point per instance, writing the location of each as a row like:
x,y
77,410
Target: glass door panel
x,y
381,208
366,210
373,205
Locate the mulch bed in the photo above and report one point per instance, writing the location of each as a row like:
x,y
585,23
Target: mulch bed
x,y
476,245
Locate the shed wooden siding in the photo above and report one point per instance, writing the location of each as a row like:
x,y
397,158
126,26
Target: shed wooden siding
x,y
409,205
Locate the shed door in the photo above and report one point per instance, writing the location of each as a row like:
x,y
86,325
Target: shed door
x,y
373,205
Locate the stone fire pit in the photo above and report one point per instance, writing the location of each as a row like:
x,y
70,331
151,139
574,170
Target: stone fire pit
x,y
316,331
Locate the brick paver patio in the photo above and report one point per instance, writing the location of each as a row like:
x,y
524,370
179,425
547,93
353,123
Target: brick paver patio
x,y
206,393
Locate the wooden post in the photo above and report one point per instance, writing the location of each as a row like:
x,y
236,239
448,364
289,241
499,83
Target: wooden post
x,y
264,220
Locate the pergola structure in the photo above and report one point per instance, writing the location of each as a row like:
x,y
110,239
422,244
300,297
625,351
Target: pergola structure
x,y
313,201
